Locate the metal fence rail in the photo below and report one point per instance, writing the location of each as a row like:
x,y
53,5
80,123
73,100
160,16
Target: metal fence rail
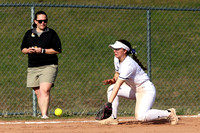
x,y
166,40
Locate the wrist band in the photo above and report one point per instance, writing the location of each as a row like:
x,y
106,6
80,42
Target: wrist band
x,y
43,51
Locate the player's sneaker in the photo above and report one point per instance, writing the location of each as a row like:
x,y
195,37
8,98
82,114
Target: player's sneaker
x,y
109,121
45,117
173,117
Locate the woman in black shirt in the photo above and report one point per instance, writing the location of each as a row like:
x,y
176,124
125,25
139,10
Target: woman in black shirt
x,y
41,44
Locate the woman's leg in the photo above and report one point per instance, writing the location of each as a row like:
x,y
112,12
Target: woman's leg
x,y
37,92
145,98
124,91
44,97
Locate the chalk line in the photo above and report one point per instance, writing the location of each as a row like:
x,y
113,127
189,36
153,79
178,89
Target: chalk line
x,y
76,121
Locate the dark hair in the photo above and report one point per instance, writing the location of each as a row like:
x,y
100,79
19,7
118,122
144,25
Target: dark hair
x,y
35,18
132,52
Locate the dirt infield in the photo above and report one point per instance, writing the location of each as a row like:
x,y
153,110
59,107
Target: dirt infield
x,y
89,125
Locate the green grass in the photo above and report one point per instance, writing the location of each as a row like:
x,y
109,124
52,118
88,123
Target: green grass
x,y
86,59
139,3
31,118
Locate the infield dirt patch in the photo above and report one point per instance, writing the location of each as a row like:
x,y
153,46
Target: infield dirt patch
x,y
89,125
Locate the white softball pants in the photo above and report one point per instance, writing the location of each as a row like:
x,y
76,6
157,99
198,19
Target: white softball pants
x,y
144,96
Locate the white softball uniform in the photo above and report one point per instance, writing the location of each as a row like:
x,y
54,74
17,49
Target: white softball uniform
x,y
137,86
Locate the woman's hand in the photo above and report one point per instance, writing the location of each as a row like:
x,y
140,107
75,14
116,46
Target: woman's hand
x,y
109,81
31,50
38,50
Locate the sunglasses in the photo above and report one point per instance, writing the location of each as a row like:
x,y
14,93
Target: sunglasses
x,y
40,21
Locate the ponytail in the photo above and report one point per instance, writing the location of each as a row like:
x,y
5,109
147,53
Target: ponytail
x,y
133,52
138,61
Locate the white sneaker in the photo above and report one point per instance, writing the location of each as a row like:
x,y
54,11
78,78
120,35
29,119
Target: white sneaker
x,y
173,117
45,117
109,121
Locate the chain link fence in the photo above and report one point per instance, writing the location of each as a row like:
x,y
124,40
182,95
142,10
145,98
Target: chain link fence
x,y
85,32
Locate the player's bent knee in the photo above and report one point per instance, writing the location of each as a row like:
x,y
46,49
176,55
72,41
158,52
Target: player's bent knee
x,y
140,118
110,88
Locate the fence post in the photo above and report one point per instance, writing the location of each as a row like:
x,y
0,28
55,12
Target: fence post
x,y
34,95
149,43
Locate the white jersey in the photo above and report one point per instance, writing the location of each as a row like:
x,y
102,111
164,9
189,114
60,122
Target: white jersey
x,y
130,71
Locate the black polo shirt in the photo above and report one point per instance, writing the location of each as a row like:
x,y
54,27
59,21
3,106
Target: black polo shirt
x,y
48,39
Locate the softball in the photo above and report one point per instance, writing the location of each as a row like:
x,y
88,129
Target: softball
x,y
58,112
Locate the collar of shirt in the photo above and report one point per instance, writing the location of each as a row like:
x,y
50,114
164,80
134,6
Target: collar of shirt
x,y
45,30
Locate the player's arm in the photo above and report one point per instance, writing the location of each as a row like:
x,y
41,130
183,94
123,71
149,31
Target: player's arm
x,y
113,80
116,75
116,87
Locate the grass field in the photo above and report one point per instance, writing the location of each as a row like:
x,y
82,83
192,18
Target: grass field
x,y
148,3
86,59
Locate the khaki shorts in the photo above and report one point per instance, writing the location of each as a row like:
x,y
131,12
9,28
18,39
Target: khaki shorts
x,y
37,75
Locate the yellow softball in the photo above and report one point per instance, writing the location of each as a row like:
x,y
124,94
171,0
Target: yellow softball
x,y
58,112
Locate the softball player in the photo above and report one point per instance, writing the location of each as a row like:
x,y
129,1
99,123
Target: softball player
x,y
130,81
